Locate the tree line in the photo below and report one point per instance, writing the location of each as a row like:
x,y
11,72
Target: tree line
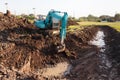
x,y
104,18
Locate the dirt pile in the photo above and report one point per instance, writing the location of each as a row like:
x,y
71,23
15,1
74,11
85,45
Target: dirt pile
x,y
20,39
25,51
72,22
8,13
25,48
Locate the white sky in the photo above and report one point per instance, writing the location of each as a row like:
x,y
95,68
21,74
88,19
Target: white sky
x,y
76,8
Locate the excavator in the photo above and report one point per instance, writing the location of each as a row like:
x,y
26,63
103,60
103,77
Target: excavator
x,y
55,20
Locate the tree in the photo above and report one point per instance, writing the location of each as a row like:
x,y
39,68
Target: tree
x,y
83,19
29,17
117,17
106,18
92,18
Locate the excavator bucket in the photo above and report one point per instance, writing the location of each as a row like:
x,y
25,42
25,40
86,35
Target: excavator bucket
x,y
60,48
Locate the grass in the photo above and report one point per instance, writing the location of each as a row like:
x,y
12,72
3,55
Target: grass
x,y
115,25
73,28
81,25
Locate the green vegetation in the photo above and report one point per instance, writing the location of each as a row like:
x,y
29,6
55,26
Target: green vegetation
x,y
106,18
73,28
115,25
81,25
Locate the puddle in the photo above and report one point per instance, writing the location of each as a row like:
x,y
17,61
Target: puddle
x,y
98,41
61,69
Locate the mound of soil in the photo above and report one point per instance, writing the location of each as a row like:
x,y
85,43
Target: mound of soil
x,y
72,22
25,49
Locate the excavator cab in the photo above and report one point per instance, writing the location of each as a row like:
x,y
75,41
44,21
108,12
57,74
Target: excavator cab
x,y
56,25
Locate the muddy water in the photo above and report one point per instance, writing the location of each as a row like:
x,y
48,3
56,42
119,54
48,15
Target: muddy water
x,y
59,70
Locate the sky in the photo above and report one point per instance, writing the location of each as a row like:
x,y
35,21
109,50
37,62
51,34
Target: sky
x,y
74,8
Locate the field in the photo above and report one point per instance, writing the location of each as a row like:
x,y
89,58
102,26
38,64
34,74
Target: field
x,y
115,25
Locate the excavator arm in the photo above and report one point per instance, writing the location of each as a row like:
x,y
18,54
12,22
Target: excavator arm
x,y
62,16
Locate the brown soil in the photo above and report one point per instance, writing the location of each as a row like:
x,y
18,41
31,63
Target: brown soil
x,y
72,22
24,49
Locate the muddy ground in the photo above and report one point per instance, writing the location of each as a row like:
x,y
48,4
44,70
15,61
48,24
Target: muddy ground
x,y
26,50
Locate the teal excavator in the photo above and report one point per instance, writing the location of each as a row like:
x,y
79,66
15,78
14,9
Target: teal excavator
x,y
55,20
